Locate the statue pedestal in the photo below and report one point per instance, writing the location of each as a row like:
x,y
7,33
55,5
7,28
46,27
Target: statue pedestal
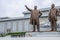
x,y
42,34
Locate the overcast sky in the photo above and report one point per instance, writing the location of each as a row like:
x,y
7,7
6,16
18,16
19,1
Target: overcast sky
x,y
14,8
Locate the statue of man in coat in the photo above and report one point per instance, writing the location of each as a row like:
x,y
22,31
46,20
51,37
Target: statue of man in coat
x,y
53,17
34,18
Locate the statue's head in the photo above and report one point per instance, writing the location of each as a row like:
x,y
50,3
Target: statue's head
x,y
53,5
35,7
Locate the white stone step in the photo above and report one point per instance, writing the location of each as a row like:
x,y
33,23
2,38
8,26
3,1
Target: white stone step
x,y
43,34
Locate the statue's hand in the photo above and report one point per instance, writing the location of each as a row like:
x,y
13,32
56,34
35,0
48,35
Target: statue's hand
x,y
25,5
39,15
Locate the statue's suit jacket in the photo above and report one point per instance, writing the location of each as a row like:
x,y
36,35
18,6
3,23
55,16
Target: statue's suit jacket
x,y
35,14
53,14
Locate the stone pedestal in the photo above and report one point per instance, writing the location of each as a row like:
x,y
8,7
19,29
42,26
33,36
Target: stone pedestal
x,y
42,34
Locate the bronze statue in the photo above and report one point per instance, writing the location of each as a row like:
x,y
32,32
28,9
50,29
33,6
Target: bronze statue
x,y
53,17
34,19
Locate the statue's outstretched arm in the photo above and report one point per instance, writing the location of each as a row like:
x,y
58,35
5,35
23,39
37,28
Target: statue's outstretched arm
x,y
28,8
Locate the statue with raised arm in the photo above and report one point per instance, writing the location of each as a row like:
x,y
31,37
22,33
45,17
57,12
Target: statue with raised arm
x,y
34,18
53,17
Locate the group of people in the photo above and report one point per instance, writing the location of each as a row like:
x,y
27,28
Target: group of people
x,y
35,14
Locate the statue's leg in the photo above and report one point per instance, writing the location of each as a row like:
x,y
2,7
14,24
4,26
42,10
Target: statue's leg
x,y
37,22
33,26
55,26
52,26
38,28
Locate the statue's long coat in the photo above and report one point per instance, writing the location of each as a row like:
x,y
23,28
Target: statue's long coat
x,y
35,14
53,14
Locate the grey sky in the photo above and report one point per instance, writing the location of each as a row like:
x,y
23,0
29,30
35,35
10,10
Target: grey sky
x,y
14,8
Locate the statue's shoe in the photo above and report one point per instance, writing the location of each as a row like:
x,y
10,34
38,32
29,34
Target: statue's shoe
x,y
53,30
33,31
38,31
